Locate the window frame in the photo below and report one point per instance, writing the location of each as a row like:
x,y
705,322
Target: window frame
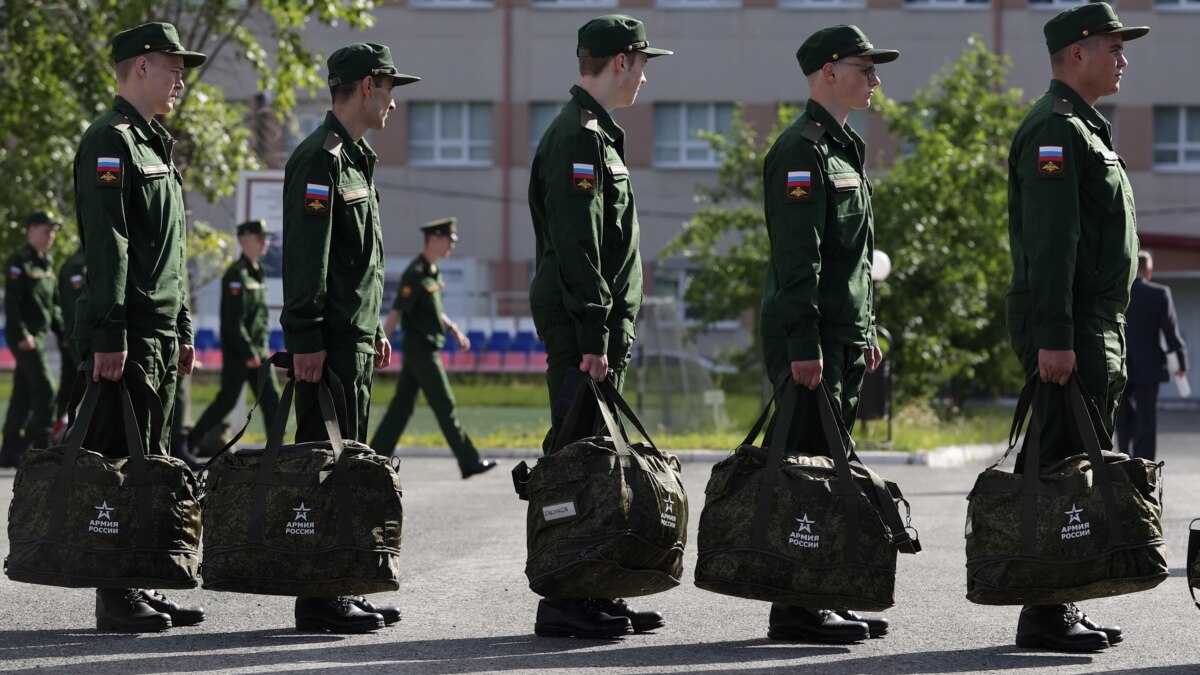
x,y
685,141
1180,147
437,142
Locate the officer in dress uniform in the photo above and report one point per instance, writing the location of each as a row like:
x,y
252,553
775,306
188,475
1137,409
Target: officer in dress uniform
x,y
31,312
129,204
418,309
587,289
245,333
333,276
1073,237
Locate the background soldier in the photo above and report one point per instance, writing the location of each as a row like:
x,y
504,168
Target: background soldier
x,y
333,275
244,336
129,203
818,318
31,311
1073,239
70,286
418,308
587,290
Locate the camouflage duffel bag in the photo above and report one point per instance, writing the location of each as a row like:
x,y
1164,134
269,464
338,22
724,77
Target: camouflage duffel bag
x,y
83,520
1087,527
607,518
1193,561
311,519
797,528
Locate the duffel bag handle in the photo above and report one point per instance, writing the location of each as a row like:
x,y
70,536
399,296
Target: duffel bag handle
x,y
608,391
1193,556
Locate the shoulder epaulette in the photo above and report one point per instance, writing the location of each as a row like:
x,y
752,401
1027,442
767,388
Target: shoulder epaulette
x,y
587,120
333,143
119,122
1063,107
813,131
238,265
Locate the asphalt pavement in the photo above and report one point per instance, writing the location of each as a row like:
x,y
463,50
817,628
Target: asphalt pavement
x,y
467,608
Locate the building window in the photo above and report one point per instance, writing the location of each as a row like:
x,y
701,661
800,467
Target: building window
x,y
450,134
1191,5
822,4
451,4
676,139
540,117
1177,137
949,4
573,4
1055,4
699,4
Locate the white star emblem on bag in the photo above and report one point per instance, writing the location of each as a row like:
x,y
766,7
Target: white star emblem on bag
x,y
1074,514
302,512
804,524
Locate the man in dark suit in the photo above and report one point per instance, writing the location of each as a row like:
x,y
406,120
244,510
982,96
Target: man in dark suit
x,y
1151,311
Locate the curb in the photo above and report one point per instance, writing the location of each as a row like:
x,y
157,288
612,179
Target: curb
x,y
945,457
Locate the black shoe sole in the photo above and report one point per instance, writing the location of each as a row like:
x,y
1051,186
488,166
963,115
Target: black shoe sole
x,y
322,626
877,633
552,631
180,623
646,627
1039,642
110,626
802,636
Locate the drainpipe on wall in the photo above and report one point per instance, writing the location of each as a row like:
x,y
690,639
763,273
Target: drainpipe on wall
x,y
506,155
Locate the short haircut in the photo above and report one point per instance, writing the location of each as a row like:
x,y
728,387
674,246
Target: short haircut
x,y
1090,43
1145,261
345,91
591,66
124,68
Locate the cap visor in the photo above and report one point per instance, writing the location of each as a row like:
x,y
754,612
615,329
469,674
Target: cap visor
x,y
880,55
652,52
1132,32
191,59
400,79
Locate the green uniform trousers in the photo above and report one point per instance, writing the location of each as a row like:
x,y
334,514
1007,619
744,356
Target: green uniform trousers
x,y
563,359
234,376
423,371
355,370
68,372
1100,366
31,408
843,368
158,355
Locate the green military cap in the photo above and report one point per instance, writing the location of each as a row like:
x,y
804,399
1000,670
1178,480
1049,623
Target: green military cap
x,y
838,42
253,227
152,37
1077,23
354,62
42,218
615,34
447,227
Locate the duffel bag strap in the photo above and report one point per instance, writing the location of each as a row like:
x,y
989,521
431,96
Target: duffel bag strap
x,y
1193,557
609,391
781,426
1103,480
841,465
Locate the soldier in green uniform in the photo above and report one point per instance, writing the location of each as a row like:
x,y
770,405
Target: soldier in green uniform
x,y
333,275
587,288
1074,247
244,335
31,312
818,317
70,286
418,309
129,205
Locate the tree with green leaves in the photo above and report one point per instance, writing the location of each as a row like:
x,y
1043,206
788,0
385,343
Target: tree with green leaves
x,y
57,77
941,213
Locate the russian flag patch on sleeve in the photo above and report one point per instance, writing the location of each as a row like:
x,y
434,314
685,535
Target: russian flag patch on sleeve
x,y
799,186
583,178
316,198
1050,160
108,172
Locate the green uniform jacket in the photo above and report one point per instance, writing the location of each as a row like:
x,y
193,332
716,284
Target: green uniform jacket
x,y
589,269
129,204
332,245
70,286
817,199
1072,224
420,305
244,316
30,297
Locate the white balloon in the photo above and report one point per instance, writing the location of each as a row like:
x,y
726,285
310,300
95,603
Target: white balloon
x,y
881,266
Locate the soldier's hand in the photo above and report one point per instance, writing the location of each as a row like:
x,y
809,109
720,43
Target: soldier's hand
x,y
253,362
383,353
807,373
874,358
27,344
595,365
187,359
308,367
1056,365
464,343
108,365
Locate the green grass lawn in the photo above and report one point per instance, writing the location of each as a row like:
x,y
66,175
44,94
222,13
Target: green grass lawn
x,y
511,412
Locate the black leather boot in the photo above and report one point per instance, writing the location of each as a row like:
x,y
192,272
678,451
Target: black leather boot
x,y
482,466
642,620
876,625
180,616
1057,628
814,625
124,610
336,615
572,617
179,450
390,613
1113,633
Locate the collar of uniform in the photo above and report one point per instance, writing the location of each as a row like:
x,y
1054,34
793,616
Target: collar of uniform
x,y
356,150
33,252
1086,112
144,129
430,267
836,132
249,265
608,126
